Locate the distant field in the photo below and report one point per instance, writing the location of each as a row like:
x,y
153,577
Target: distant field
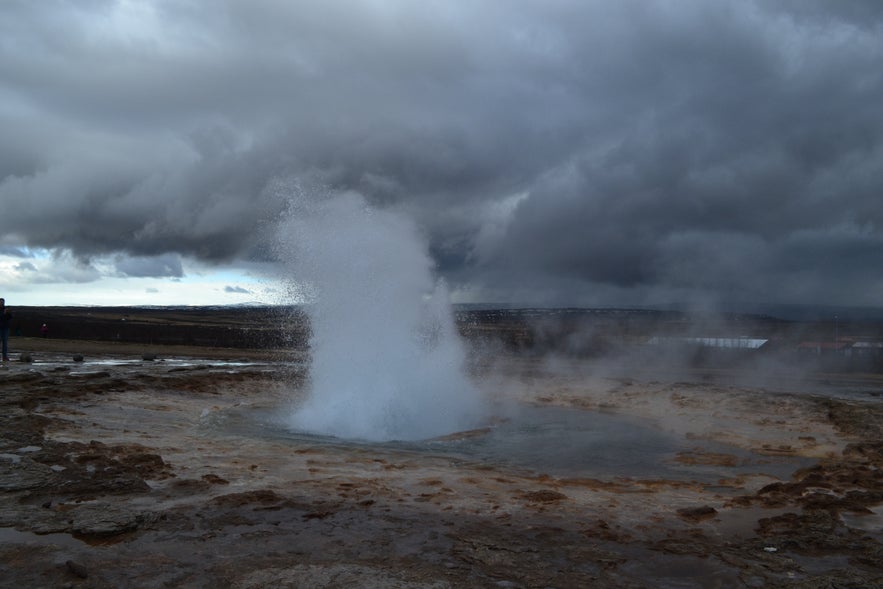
x,y
250,328
579,333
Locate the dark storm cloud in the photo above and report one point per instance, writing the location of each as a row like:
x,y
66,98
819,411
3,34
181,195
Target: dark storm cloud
x,y
563,151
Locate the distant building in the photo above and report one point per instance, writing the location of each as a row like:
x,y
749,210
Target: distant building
x,y
720,343
868,349
840,348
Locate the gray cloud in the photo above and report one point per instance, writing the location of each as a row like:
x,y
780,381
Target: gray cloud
x,y
236,290
15,252
167,265
567,151
25,267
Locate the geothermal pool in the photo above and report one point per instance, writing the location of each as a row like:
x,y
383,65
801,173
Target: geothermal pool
x,y
538,440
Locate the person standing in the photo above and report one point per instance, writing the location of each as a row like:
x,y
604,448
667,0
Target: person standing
x,y
5,322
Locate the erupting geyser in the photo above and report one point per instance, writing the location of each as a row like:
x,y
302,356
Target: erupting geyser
x,y
387,363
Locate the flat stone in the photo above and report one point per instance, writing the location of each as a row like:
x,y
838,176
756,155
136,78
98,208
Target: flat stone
x,y
18,473
104,519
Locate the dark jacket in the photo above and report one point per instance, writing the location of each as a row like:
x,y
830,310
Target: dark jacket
x,y
5,318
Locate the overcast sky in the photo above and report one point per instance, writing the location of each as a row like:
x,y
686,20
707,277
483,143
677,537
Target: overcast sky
x,y
628,152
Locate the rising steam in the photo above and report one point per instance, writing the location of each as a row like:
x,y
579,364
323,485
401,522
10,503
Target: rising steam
x,y
387,363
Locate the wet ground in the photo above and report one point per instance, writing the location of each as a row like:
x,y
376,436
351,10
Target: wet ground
x,y
177,472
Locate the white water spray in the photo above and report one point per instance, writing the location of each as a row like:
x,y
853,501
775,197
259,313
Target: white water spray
x,y
387,362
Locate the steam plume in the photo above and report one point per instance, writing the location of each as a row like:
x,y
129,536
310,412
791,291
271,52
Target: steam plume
x,y
386,358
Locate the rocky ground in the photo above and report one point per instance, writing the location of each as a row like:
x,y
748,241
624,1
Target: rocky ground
x,y
121,471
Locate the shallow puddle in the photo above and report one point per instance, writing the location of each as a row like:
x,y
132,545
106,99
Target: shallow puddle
x,y
869,522
13,536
